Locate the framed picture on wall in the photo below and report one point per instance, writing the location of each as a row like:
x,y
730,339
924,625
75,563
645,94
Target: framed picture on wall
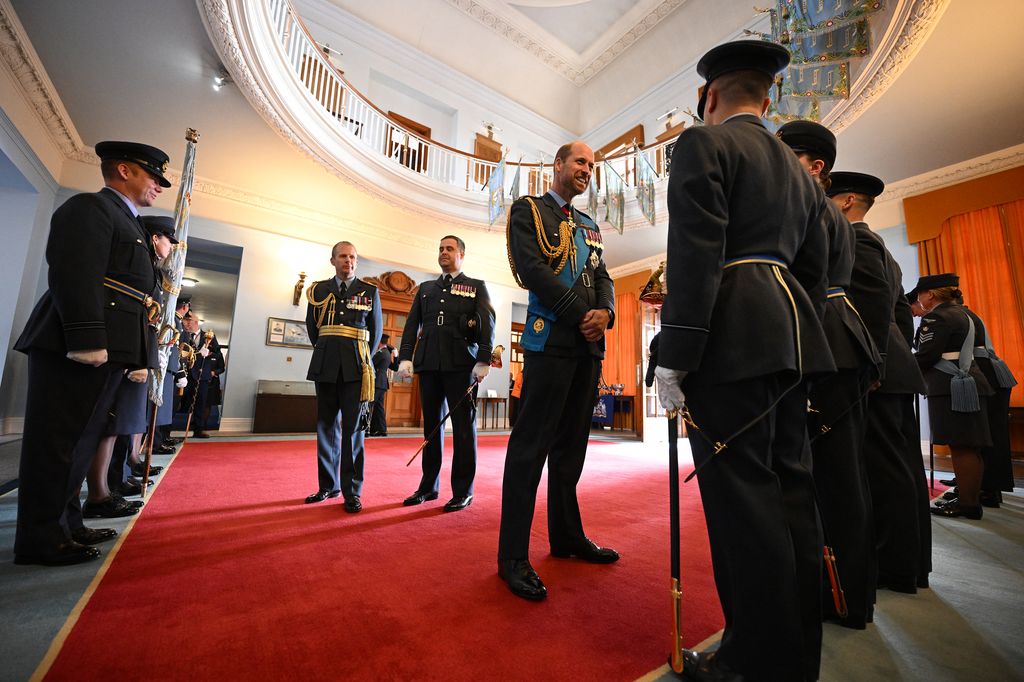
x,y
287,333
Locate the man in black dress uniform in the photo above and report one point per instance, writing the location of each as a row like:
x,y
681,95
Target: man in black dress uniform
x,y
343,320
839,401
383,360
208,365
454,320
740,333
555,252
84,333
892,442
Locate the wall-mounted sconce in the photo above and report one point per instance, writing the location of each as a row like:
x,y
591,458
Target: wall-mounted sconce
x,y
299,286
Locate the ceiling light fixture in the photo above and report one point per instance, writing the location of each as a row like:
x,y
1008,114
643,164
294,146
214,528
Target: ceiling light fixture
x,y
221,79
189,282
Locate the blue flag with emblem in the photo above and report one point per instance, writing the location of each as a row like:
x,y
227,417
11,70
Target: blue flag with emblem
x,y
645,177
496,192
172,269
514,191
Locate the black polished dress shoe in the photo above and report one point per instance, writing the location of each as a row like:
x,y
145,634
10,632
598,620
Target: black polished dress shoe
x,y
458,503
522,580
164,450
65,554
990,499
154,470
588,551
321,495
131,487
418,497
92,536
134,503
705,667
171,442
951,482
353,505
950,494
108,508
200,434
955,509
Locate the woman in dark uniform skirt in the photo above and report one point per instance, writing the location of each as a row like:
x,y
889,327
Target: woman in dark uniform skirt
x,y
956,410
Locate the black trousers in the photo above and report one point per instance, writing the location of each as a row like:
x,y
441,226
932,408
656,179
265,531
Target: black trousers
x,y
555,410
763,526
844,498
339,441
439,390
899,493
998,473
378,417
65,415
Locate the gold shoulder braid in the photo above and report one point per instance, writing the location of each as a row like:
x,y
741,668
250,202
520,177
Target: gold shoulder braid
x,y
565,250
325,306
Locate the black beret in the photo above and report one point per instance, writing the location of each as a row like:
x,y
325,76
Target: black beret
x,y
940,281
858,183
810,137
753,55
158,224
153,160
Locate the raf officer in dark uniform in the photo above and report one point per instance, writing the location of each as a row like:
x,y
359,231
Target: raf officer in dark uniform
x,y
839,401
741,333
892,442
454,321
87,330
343,320
208,365
383,360
556,252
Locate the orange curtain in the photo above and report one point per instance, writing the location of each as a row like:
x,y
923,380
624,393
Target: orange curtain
x,y
986,248
622,344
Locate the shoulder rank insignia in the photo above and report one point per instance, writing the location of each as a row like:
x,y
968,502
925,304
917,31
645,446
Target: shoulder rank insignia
x,y
538,325
463,290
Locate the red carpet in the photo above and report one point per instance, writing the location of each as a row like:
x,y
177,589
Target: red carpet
x,y
228,575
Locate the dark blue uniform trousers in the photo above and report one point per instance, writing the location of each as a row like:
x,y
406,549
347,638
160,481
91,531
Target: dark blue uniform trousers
x,y
437,389
339,442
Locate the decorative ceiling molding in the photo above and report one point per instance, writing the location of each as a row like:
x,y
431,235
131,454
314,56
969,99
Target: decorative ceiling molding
x,y
895,51
652,263
20,57
577,71
1004,159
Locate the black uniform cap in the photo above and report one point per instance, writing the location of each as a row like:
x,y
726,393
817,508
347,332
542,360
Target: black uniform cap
x,y
945,279
753,55
810,137
158,224
184,300
150,158
858,183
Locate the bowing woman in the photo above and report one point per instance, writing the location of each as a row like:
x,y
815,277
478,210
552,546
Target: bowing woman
x,y
955,389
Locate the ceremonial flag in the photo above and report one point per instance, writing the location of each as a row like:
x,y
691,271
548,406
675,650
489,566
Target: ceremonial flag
x,y
645,176
614,198
173,267
496,192
514,193
592,197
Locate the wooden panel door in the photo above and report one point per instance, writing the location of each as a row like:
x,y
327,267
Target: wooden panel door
x,y
402,404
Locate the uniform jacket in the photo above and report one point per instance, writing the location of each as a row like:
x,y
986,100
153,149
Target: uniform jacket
x,y
336,358
736,191
174,359
943,330
877,291
93,236
204,371
592,289
382,362
847,335
984,363
455,326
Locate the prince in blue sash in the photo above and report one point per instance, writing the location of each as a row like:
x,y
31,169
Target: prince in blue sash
x,y
555,252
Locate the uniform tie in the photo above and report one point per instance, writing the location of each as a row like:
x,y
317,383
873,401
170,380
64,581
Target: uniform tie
x,y
447,280
342,289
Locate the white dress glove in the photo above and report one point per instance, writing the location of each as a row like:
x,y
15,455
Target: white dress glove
x,y
405,369
181,383
670,388
480,370
204,351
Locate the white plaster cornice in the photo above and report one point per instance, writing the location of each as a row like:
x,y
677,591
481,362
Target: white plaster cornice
x,y
552,52
24,64
977,167
651,263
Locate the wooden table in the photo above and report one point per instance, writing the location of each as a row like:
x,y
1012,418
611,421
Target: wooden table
x,y
495,403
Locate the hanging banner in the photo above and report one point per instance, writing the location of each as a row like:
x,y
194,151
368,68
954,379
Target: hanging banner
x,y
496,192
173,267
514,192
645,177
592,197
614,198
